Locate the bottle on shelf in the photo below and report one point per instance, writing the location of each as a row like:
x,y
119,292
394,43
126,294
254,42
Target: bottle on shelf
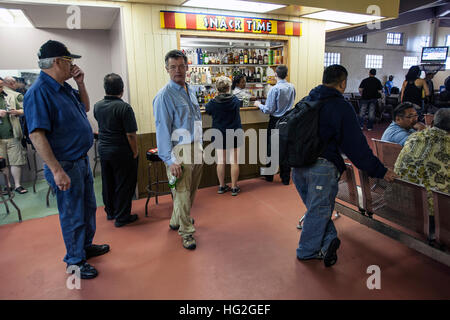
x,y
208,77
258,75
200,56
266,57
225,57
241,58
264,76
260,58
245,56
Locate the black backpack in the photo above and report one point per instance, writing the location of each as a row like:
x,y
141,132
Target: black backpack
x,y
299,141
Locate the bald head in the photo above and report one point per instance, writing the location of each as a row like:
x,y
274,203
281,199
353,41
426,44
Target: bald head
x,y
10,82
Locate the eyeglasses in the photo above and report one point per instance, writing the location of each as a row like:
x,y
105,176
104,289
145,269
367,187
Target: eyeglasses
x,y
180,67
69,59
411,116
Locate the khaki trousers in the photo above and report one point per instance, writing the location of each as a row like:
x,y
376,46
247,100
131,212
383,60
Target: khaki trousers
x,y
186,188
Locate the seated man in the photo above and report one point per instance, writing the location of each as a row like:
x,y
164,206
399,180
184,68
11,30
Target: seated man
x,y
405,122
425,158
443,100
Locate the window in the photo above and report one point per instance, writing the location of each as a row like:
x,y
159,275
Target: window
x,y
447,42
374,61
447,64
408,62
360,39
332,58
425,41
395,38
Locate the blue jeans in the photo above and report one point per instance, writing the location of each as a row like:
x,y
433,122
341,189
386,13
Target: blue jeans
x,y
318,187
77,208
371,105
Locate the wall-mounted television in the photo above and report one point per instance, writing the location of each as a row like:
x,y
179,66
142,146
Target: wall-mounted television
x,y
434,54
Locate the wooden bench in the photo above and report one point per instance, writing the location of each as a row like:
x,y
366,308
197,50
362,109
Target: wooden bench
x,y
441,205
398,210
387,152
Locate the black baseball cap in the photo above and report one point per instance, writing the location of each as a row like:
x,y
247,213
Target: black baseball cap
x,y
52,49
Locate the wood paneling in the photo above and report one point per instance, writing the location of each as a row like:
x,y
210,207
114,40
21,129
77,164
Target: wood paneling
x,y
209,178
147,45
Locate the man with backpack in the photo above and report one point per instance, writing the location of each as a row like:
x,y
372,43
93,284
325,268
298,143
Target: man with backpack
x,y
317,183
280,99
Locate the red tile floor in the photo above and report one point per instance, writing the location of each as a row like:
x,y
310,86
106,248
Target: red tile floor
x,y
245,250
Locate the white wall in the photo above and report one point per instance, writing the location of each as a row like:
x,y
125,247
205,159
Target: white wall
x,y
353,54
20,47
118,53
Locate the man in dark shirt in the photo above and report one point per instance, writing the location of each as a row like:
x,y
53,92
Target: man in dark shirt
x,y
118,151
370,90
318,184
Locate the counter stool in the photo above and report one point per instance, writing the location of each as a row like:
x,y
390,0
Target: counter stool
x,y
36,170
153,158
11,194
96,156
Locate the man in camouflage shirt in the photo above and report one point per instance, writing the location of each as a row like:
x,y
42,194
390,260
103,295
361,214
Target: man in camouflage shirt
x,y
425,158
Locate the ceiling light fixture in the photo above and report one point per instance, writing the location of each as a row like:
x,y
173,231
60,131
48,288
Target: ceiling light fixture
x,y
344,17
234,5
14,18
331,25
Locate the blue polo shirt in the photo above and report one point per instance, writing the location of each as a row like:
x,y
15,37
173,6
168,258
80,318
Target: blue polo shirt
x,y
59,111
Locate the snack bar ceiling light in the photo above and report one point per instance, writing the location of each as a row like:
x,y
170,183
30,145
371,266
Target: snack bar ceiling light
x,y
14,18
344,17
234,5
330,25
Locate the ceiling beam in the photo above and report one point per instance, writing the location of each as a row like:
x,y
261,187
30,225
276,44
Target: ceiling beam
x,y
403,19
442,11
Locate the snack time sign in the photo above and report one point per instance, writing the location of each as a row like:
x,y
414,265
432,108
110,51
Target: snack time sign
x,y
211,22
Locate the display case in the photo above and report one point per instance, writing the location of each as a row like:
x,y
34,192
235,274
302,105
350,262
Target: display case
x,y
211,58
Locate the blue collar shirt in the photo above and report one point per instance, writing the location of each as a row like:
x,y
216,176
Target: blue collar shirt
x,y
59,111
279,99
396,134
176,109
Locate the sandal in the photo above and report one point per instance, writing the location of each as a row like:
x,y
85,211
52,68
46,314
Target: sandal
x,y
21,190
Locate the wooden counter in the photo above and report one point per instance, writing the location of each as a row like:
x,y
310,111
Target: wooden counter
x,y
251,117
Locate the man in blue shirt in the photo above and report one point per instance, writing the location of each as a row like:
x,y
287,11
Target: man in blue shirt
x,y
405,123
388,85
179,139
279,100
61,133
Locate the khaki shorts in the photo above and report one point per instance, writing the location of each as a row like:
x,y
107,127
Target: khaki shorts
x,y
13,152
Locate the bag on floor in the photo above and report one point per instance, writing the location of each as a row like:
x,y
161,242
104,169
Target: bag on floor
x,y
299,141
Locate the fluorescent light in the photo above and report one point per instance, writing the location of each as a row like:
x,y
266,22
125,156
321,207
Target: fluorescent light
x,y
6,16
14,18
234,5
345,17
330,25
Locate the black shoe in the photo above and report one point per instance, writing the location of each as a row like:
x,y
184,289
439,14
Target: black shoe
x,y
331,256
109,217
86,270
178,227
223,189
285,182
132,218
96,250
235,191
269,178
